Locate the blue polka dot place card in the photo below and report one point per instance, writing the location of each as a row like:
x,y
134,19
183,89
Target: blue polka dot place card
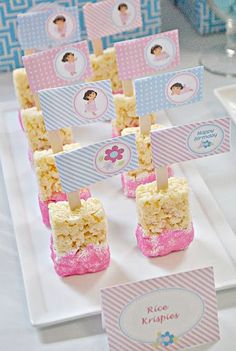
x,y
50,27
77,104
168,90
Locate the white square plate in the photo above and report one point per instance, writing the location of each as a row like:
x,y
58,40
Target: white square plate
x,y
52,299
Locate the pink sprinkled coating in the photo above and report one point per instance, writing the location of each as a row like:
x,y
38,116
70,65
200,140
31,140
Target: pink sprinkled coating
x,y
93,258
164,243
20,120
43,205
129,186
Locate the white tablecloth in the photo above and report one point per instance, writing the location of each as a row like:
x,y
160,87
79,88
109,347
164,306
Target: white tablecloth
x,y
16,333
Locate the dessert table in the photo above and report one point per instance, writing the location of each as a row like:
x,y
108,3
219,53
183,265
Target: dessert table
x,y
219,173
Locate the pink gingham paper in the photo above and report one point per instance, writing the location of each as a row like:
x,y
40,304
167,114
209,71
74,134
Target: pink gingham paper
x,y
111,16
57,67
135,59
170,313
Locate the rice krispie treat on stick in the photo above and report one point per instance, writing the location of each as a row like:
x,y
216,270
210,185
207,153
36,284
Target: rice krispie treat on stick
x,y
49,184
24,96
34,126
145,173
79,238
164,218
105,67
126,116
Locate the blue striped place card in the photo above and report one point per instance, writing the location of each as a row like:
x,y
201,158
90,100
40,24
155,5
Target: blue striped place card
x,y
91,164
190,141
48,28
168,90
77,104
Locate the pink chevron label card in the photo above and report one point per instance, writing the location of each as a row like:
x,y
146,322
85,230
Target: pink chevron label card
x,y
175,312
112,16
142,57
190,141
58,67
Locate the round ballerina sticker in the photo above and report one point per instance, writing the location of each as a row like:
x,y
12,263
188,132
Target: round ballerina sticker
x,y
60,26
182,88
90,103
160,52
70,64
112,158
123,14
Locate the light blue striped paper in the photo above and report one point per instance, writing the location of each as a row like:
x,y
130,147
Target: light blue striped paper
x,y
60,111
87,165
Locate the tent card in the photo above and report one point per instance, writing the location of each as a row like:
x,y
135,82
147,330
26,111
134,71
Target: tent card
x,y
141,57
77,104
93,163
112,16
45,29
174,312
58,66
168,90
190,141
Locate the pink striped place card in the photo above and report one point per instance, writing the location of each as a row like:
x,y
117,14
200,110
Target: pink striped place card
x,y
146,56
112,16
170,313
57,67
190,141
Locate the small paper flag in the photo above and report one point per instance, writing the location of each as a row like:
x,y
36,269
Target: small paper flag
x,y
48,28
56,67
111,16
168,90
77,104
190,141
91,164
145,56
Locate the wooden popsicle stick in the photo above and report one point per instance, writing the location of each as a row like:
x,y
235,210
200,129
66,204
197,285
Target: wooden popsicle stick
x,y
162,178
29,51
54,138
128,88
36,101
74,200
97,47
145,125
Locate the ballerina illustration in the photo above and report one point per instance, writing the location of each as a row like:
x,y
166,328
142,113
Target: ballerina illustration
x,y
159,53
60,22
90,105
69,60
179,89
124,14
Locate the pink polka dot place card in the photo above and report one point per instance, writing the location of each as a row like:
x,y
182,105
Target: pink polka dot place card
x,y
190,141
168,90
146,56
53,26
171,313
78,104
90,164
57,67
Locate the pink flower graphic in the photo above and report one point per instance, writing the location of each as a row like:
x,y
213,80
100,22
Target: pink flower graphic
x,y
113,154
